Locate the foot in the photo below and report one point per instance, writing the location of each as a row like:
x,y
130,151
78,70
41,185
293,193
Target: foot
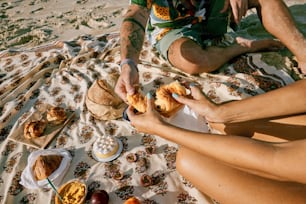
x,y
259,45
302,66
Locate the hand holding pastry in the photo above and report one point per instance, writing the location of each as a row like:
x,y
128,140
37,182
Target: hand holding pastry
x,y
199,104
165,104
147,121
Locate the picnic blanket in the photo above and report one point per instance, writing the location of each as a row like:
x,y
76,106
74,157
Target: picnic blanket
x,y
60,74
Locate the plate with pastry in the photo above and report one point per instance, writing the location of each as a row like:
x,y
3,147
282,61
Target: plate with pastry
x,y
43,164
39,127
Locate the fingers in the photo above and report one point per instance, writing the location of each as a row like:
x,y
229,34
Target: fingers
x,y
150,102
120,90
225,7
239,9
196,92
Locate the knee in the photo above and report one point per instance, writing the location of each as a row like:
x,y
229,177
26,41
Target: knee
x,y
182,164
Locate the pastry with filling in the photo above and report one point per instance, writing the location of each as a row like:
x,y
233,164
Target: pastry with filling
x,y
34,129
138,101
56,115
165,103
45,165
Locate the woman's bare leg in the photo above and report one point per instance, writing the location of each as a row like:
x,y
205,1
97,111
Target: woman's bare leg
x,y
229,185
273,130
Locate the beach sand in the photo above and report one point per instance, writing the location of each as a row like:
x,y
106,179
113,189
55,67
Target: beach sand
x,y
33,22
29,23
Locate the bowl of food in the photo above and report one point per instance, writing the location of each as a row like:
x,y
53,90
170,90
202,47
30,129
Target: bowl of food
x,y
72,192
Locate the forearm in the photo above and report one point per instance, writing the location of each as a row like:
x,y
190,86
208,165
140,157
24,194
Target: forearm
x,y
284,101
132,32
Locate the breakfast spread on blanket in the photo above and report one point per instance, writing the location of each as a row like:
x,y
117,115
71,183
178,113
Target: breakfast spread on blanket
x,y
73,192
164,103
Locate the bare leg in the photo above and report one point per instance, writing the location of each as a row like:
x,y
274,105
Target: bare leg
x,y
277,20
188,56
274,130
229,185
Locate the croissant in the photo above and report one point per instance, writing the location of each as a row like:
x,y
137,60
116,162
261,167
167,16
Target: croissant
x,y
45,165
138,101
165,103
56,115
34,129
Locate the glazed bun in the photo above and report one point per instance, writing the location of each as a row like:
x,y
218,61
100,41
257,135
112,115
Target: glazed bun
x,y
45,165
56,115
34,129
138,101
165,103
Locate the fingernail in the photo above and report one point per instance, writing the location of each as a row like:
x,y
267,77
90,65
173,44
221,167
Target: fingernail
x,y
149,95
174,95
192,84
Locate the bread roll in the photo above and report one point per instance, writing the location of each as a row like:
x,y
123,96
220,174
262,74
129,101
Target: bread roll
x,y
56,115
102,93
102,101
45,165
34,129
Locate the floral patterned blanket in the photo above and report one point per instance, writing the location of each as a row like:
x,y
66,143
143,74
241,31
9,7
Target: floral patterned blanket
x,y
60,74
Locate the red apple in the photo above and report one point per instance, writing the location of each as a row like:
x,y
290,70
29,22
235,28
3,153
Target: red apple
x,y
99,197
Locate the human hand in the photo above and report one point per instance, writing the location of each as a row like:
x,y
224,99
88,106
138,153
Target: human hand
x,y
148,121
125,83
199,104
239,8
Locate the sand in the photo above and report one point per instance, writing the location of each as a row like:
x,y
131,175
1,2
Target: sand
x,y
29,23
32,22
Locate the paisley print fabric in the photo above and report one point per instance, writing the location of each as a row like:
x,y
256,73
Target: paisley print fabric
x,y
60,74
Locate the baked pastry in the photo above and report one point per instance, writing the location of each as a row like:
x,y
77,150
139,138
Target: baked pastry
x,y
34,129
164,102
102,101
56,115
138,101
45,165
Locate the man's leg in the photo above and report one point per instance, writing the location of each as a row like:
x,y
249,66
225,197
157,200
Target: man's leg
x,y
230,185
191,58
277,20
